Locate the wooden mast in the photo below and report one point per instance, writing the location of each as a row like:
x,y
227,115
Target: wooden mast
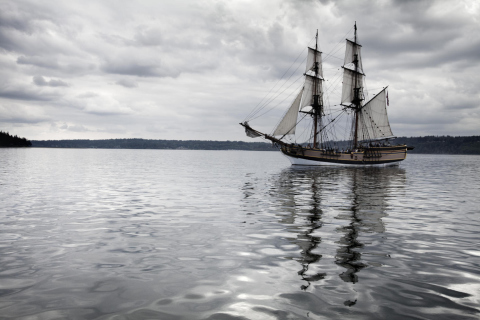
x,y
315,96
356,96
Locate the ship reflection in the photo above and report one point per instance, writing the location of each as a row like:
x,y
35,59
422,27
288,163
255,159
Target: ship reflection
x,y
299,192
307,241
354,198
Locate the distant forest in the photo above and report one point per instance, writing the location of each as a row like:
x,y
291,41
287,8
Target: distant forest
x,y
9,141
428,144
442,144
155,144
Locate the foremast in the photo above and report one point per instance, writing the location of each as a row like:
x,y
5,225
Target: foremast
x,y
356,90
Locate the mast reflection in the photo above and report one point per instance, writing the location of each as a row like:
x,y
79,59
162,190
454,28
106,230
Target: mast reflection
x,y
308,242
347,255
370,188
301,193
356,197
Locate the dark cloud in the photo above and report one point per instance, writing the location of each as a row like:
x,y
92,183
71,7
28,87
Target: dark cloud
x,y
19,119
138,68
127,83
25,94
40,81
24,19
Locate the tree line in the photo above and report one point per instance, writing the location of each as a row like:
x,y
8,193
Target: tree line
x,y
427,144
155,144
9,141
442,144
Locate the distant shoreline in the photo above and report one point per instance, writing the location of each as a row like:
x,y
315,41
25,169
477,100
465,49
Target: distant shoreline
x,y
423,145
154,144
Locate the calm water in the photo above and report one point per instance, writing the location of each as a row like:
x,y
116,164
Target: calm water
x,y
157,234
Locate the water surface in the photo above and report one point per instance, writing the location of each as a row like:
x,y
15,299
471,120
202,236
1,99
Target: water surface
x,y
177,234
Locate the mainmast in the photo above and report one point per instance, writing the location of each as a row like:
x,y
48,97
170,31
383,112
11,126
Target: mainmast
x,y
315,97
353,75
356,91
317,102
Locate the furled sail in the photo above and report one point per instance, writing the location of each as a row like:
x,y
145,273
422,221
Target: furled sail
x,y
289,121
308,91
373,119
250,132
314,56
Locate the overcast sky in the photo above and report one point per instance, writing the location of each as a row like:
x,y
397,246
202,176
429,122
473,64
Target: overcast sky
x,y
191,70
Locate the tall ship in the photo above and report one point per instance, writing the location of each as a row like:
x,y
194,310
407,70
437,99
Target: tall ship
x,y
367,132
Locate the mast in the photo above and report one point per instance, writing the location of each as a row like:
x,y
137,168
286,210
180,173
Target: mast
x,y
317,103
353,75
315,97
356,99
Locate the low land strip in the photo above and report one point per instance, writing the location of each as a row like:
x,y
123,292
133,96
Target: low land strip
x,y
428,144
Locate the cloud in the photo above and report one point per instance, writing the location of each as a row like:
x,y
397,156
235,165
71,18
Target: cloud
x,y
127,83
25,94
74,128
40,81
148,37
39,62
137,68
57,64
99,104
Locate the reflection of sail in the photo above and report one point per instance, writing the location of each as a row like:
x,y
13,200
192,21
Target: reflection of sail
x,y
370,188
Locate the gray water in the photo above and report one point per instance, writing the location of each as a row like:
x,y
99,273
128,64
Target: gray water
x,y
159,234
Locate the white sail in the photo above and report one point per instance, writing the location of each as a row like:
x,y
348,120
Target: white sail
x,y
314,56
289,121
351,50
349,84
307,99
373,119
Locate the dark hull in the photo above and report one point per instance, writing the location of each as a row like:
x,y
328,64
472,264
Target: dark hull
x,y
375,156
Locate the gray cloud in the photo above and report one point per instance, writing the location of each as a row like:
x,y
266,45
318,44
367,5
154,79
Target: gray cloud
x,y
74,128
40,81
148,37
127,83
25,94
136,68
39,62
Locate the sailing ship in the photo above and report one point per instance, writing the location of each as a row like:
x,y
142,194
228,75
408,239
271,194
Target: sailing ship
x,y
370,134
